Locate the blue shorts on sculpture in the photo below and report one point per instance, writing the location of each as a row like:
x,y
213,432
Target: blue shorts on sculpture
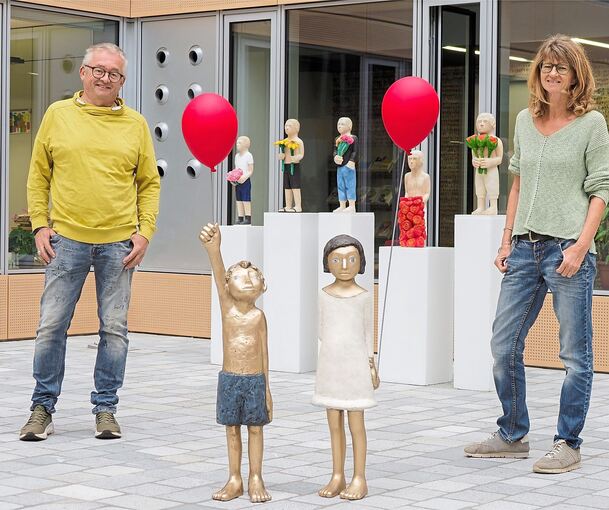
x,y
244,191
345,180
241,399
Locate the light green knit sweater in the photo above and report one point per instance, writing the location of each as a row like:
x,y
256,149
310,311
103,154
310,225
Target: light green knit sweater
x,y
559,173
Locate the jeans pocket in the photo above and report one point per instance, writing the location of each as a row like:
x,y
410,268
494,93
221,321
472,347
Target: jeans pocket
x,y
564,244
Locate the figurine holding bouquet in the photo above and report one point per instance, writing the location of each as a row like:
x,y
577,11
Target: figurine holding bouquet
x,y
487,153
345,157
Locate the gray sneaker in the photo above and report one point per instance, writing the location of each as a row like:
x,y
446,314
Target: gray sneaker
x,y
38,427
106,426
496,447
560,459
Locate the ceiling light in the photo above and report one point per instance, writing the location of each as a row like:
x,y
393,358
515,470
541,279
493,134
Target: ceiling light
x,y
589,42
519,59
454,48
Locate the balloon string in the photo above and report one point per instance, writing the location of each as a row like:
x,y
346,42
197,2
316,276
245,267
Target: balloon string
x,y
214,214
395,219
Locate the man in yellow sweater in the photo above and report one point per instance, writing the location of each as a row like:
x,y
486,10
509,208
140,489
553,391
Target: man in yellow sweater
x,y
93,162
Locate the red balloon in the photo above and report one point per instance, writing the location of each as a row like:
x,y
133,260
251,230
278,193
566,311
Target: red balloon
x,y
209,126
410,110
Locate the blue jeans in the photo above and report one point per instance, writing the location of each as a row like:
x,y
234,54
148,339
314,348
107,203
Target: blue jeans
x,y
531,271
345,180
64,278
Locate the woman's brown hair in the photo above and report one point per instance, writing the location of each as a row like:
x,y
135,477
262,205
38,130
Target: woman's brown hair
x,y
561,48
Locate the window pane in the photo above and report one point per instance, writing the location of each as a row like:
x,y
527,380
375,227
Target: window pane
x,y
250,78
587,20
46,52
341,60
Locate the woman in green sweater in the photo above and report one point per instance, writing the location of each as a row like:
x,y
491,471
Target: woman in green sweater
x,y
560,190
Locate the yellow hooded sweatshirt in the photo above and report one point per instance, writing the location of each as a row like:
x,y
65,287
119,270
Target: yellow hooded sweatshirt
x,y
99,167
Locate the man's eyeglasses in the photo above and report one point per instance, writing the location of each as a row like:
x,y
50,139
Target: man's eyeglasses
x,y
546,68
100,72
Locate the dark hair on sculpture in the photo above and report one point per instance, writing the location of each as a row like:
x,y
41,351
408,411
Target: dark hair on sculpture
x,y
341,241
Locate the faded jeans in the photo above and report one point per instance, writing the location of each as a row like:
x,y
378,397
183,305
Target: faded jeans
x,y
64,280
531,272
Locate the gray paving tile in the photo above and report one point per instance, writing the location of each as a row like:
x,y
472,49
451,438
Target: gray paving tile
x,y
173,454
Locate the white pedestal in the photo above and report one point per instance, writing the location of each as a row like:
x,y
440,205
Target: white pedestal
x,y
477,283
358,225
290,303
239,242
417,342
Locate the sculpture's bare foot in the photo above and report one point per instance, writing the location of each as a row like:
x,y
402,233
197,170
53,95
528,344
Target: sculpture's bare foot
x,y
478,211
233,489
334,488
491,211
256,490
357,489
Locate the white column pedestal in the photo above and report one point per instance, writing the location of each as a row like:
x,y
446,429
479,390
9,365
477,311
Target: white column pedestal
x,y
239,242
477,284
290,303
417,342
358,225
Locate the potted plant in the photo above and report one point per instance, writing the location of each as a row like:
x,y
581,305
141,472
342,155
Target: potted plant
x,y
602,250
21,242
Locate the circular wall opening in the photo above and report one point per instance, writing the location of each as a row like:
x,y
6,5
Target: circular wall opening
x,y
161,166
194,90
162,94
162,57
194,168
195,55
161,130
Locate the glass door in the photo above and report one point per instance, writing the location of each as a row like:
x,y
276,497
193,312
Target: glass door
x,y
249,84
456,63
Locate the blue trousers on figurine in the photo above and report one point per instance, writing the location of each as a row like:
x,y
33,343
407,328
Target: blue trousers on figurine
x,y
345,179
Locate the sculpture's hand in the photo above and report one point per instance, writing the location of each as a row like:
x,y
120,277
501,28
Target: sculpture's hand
x,y
210,237
351,165
376,382
483,162
338,159
281,155
476,162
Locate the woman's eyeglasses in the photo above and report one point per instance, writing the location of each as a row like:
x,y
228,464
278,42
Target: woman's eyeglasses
x,y
547,67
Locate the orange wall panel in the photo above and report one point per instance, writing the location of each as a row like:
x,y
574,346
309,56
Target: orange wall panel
x,y
3,306
542,344
112,7
171,304
142,8
24,293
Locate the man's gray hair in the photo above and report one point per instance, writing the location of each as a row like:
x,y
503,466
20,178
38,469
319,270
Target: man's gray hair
x,y
105,46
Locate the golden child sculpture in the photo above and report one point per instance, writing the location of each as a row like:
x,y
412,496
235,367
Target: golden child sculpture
x,y
346,374
244,397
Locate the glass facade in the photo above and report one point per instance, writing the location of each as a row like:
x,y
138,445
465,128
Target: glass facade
x,y
586,20
250,77
46,50
340,62
458,78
